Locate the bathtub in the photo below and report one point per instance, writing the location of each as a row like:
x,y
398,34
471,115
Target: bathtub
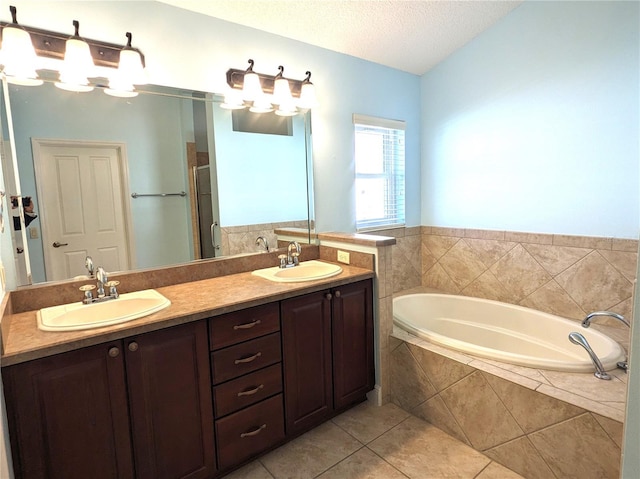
x,y
503,332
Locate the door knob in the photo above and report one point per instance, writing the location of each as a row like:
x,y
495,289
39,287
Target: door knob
x,y
57,245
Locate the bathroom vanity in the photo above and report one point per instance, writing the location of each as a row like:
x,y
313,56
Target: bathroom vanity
x,y
233,370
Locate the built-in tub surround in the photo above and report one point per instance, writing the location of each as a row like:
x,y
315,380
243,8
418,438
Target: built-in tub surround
x,y
569,276
541,424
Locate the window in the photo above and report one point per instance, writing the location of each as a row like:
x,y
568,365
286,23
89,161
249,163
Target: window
x,y
379,158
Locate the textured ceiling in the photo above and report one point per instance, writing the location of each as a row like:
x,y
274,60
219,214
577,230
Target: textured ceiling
x,y
412,36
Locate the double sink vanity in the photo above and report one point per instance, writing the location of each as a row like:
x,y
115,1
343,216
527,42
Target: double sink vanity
x,y
218,371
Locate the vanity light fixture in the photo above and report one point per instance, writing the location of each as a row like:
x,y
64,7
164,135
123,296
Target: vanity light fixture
x,y
308,97
78,64
76,59
130,71
251,89
257,89
17,55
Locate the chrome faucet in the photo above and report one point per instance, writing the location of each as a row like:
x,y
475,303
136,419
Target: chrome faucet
x,y
293,253
580,340
101,282
586,322
265,243
291,258
88,263
101,277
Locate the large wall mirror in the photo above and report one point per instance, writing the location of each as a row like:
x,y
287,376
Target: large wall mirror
x,y
162,178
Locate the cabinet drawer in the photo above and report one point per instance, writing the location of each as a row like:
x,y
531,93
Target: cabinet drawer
x,y
247,390
249,431
233,328
243,358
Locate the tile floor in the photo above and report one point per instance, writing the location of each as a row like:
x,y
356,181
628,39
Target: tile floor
x,y
369,442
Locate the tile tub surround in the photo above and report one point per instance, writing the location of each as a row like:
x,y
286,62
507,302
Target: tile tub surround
x,y
541,424
569,276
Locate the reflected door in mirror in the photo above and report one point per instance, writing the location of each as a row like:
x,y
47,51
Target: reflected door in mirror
x,y
83,200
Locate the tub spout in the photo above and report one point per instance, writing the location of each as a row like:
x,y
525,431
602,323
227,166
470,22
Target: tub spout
x,y
586,322
580,340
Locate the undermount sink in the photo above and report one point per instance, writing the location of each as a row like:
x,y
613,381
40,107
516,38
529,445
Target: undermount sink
x,y
305,271
76,316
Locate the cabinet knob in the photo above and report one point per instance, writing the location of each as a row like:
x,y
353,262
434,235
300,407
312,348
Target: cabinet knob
x,y
133,346
337,294
114,352
328,296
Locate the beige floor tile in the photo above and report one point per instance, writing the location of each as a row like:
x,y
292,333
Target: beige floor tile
x,y
435,412
496,471
311,454
363,464
420,450
366,422
253,470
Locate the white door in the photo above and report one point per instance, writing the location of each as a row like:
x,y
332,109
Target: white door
x,y
84,206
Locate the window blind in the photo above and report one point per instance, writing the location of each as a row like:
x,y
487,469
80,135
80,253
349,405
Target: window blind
x,y
380,175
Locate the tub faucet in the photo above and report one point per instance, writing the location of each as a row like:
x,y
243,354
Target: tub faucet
x,y
580,340
586,322
265,243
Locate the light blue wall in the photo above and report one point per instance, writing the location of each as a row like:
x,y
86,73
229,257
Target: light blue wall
x,y
533,126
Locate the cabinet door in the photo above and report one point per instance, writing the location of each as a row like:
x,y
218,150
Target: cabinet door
x,y
170,403
352,331
68,415
306,344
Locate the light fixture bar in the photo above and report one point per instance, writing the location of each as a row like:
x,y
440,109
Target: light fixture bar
x,y
52,45
235,79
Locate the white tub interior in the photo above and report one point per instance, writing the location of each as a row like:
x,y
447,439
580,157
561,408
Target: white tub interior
x,y
503,332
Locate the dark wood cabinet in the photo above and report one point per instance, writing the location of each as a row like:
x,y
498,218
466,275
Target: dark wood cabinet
x,y
352,337
328,360
170,403
156,405
142,404
68,415
306,346
247,383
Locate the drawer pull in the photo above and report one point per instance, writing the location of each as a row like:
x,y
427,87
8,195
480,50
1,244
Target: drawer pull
x,y
247,359
250,392
255,432
246,325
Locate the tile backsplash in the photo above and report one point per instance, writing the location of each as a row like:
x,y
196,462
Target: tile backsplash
x,y
569,276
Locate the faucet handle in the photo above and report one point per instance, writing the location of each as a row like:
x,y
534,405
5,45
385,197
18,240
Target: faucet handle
x,y
283,260
112,288
295,255
87,290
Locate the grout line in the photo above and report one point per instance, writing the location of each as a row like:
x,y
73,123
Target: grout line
x,y
387,462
